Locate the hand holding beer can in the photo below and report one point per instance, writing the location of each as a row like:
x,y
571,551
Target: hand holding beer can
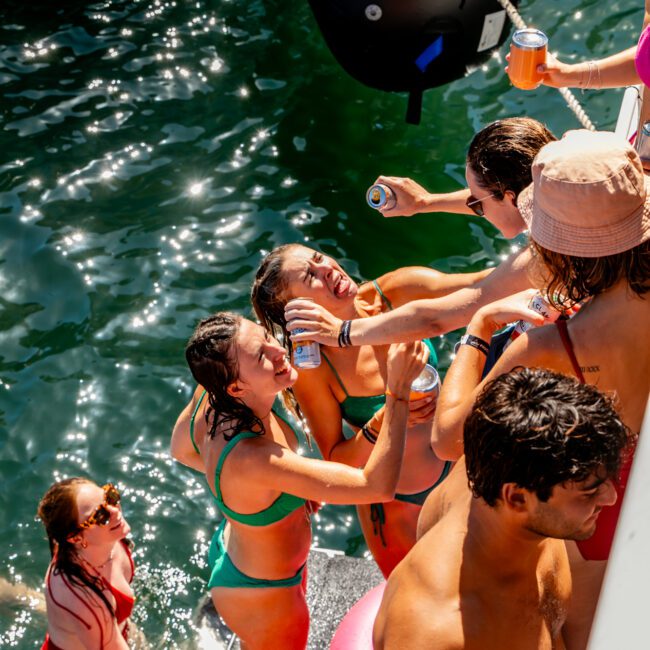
x,y
381,196
426,383
527,51
306,354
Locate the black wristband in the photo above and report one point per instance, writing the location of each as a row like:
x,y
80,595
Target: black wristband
x,y
344,334
473,341
368,434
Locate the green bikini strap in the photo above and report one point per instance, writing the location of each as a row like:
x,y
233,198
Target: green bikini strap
x,y
196,410
382,296
336,374
242,435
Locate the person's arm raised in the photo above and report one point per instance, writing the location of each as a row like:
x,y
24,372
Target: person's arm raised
x,y
180,447
414,320
279,468
614,71
411,198
463,380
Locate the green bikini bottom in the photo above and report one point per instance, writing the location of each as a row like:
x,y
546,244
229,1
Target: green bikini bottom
x,y
378,514
226,574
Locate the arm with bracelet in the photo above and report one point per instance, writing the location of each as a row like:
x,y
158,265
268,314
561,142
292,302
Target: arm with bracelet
x,y
614,71
323,414
414,320
464,375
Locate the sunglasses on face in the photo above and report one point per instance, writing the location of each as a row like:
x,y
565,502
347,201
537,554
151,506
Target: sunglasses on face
x,y
102,514
475,204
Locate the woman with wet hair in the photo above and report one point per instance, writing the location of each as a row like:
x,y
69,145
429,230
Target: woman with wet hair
x,y
349,385
261,483
88,594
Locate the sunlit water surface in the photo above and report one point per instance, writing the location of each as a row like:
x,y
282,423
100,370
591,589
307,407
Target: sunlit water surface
x,y
151,153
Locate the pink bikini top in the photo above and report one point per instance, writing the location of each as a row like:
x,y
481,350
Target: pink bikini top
x,y
642,57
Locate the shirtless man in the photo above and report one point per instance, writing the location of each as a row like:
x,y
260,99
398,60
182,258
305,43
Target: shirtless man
x,y
491,570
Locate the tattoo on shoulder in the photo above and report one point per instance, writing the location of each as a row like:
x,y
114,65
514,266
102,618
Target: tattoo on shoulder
x,y
590,368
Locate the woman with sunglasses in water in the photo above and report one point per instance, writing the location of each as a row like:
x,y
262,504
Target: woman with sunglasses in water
x,y
261,483
88,593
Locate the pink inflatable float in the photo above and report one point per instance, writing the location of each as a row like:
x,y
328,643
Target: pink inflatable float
x,y
355,630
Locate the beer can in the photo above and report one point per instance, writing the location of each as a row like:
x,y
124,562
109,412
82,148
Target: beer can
x,y
306,354
381,196
642,144
539,304
426,383
527,51
542,306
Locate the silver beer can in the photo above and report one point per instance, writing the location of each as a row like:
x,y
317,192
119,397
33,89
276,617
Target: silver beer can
x,y
306,354
381,196
426,383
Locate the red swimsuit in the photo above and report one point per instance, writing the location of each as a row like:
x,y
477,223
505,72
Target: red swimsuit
x,y
123,604
598,546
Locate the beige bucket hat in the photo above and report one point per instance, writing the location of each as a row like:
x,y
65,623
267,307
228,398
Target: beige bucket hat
x,y
589,196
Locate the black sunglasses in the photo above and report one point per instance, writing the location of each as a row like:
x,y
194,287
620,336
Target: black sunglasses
x,y
475,204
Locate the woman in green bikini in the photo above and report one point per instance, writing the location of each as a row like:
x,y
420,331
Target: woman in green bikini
x,y
261,484
350,383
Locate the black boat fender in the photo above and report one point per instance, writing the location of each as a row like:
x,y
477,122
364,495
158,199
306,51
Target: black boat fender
x,y
410,45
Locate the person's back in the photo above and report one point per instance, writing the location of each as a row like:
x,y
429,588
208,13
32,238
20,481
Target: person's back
x,y
609,337
490,569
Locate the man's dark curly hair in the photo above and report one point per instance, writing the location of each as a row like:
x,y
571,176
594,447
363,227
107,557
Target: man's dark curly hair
x,y
538,429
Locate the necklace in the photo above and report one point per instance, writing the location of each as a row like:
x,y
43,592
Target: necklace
x,y
110,557
98,567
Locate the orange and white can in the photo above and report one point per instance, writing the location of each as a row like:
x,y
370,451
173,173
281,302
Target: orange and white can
x,y
527,50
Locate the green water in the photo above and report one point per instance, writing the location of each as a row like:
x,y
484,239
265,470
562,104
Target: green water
x,y
150,152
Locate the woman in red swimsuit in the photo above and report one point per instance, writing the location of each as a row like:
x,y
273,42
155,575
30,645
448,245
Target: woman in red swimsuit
x,y
88,593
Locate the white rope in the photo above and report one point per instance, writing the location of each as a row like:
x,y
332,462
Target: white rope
x,y
569,97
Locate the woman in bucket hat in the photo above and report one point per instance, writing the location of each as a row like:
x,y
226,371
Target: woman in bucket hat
x,y
588,211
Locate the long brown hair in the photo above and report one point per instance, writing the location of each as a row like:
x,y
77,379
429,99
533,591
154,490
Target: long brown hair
x,y
267,293
501,154
571,279
213,362
268,299
59,514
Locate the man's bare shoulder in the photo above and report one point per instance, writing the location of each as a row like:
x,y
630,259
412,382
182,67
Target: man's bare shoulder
x,y
454,492
420,609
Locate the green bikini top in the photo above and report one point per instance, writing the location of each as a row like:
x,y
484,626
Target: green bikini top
x,y
357,410
284,505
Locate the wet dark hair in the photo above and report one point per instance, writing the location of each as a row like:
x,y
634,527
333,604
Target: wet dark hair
x,y
59,514
268,299
267,293
501,154
571,279
211,357
538,429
